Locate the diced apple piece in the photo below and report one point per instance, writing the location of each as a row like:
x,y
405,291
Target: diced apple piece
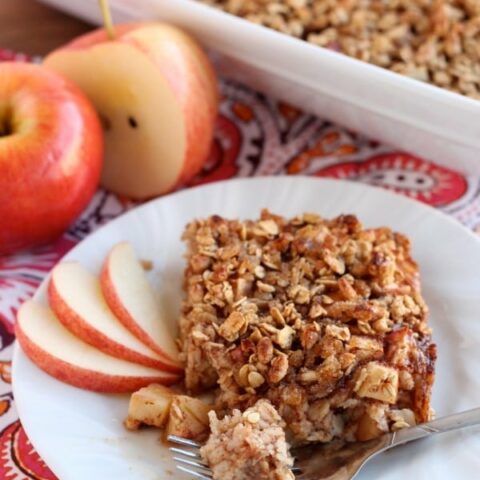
x,y
189,418
149,406
76,298
62,355
130,297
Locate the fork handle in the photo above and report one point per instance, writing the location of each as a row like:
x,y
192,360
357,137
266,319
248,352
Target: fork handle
x,y
468,418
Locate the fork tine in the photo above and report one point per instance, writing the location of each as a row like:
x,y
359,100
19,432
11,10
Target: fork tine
x,y
183,441
187,453
192,463
194,473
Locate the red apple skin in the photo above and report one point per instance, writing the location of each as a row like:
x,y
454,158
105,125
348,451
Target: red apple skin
x,y
51,161
84,378
190,76
116,306
82,330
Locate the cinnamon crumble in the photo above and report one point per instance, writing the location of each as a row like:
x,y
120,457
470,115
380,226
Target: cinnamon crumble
x,y
323,318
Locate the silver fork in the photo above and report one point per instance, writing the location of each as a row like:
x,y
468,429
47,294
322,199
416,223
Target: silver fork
x,y
335,460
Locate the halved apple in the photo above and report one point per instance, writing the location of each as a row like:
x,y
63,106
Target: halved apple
x,y
130,297
62,355
76,298
156,92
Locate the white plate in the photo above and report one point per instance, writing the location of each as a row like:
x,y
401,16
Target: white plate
x,y
80,434
408,114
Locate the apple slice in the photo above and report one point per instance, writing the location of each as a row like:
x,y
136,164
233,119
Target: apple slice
x,y
76,298
62,355
130,297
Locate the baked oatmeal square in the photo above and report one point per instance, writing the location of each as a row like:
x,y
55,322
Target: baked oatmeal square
x,y
323,318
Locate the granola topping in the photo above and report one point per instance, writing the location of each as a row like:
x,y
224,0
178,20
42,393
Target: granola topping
x,y
323,318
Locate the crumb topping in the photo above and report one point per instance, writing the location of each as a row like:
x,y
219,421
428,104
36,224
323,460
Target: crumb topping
x,y
324,318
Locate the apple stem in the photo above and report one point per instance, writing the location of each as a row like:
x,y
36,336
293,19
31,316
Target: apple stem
x,y
107,19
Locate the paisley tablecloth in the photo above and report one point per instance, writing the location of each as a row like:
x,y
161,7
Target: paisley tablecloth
x,y
255,135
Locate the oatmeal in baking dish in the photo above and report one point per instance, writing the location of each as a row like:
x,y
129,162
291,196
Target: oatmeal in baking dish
x,y
435,41
322,318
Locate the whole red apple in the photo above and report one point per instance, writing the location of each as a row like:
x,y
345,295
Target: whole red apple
x,y
51,151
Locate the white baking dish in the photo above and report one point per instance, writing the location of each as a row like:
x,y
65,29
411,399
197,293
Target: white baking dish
x,y
410,115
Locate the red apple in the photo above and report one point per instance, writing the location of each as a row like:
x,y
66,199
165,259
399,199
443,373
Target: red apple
x,y
156,92
62,355
51,151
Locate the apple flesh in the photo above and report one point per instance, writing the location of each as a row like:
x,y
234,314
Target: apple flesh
x,y
188,418
76,298
51,150
149,406
62,355
156,92
130,297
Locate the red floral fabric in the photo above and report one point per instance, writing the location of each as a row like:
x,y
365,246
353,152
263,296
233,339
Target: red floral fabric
x,y
255,135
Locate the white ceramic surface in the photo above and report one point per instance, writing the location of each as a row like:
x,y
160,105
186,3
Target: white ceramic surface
x,y
414,116
80,434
